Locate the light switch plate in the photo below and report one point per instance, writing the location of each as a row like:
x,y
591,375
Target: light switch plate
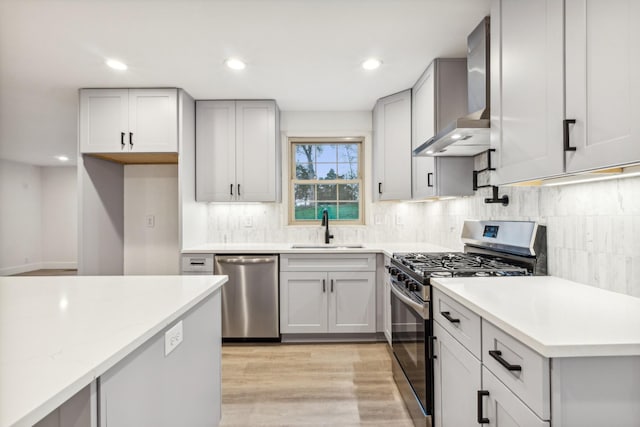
x,y
150,221
172,338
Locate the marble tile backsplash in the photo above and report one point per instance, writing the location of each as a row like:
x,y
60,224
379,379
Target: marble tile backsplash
x,y
593,229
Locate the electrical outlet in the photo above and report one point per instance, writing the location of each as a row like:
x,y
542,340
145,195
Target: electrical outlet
x,y
247,221
378,219
172,338
399,220
150,221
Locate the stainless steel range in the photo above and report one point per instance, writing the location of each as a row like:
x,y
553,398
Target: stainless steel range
x,y
492,249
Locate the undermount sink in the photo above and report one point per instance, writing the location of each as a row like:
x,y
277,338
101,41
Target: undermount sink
x,y
302,246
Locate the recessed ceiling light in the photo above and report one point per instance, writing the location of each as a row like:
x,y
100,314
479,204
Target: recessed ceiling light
x,y
62,158
116,65
371,64
429,151
235,64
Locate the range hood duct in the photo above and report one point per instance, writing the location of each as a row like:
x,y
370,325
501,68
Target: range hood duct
x,y
469,135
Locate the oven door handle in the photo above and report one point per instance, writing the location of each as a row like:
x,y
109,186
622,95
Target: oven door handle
x,y
417,307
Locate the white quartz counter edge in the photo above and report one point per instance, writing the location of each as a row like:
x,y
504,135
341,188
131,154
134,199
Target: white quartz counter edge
x,y
9,415
286,248
553,316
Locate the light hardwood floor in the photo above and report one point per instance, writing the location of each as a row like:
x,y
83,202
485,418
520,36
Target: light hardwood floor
x,y
310,385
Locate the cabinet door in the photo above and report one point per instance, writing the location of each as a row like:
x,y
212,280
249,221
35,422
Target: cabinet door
x,y
503,408
392,147
256,151
104,120
602,86
457,378
423,116
153,120
454,176
352,302
526,89
215,151
303,302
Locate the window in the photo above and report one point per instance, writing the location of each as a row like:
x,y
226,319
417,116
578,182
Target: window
x,y
326,174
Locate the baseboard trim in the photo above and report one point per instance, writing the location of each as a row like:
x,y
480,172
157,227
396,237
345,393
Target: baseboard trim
x,y
24,268
60,265
17,269
333,338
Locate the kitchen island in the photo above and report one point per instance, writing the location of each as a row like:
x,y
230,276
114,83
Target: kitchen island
x,y
62,336
540,350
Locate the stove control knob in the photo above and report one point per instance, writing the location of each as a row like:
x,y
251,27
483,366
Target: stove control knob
x,y
408,284
401,277
393,271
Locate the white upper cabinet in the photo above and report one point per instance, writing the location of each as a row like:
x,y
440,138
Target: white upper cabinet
x,y
129,120
256,151
423,128
602,85
392,147
237,152
526,89
215,150
564,97
438,98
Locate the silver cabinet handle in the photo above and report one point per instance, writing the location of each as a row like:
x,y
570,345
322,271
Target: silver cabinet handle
x,y
243,261
332,285
421,310
324,286
197,261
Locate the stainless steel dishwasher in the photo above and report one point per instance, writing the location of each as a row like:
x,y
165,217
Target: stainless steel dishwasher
x,y
250,300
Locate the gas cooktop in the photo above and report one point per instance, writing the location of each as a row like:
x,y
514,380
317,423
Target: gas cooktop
x,y
422,266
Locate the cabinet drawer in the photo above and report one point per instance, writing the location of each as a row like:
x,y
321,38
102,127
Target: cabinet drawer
x,y
528,373
501,407
328,262
197,264
458,320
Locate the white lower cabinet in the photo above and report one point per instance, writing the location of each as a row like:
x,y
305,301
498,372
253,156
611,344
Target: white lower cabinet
x,y
512,385
327,293
327,302
303,302
456,381
466,389
502,408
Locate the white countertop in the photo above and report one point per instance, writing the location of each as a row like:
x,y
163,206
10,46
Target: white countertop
x,y
553,316
57,334
258,248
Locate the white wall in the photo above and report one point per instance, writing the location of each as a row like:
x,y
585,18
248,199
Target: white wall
x,y
59,217
151,190
38,217
20,217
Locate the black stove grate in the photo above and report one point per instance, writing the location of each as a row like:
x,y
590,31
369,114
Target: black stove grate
x,y
452,264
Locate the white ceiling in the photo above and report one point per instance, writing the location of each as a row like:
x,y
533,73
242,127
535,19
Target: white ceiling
x,y
306,54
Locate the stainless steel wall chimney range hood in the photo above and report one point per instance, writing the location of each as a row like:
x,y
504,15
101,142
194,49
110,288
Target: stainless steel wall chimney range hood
x,y
469,135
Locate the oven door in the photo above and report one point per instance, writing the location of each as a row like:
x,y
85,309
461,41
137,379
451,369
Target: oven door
x,y
411,328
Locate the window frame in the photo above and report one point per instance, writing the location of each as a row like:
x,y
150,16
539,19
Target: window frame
x,y
292,142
